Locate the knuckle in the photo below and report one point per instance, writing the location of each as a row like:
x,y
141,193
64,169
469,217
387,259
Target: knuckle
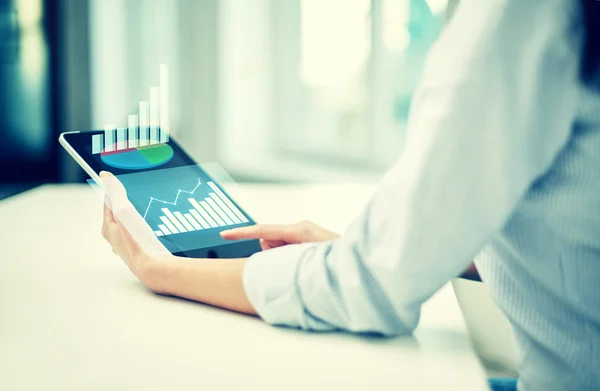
x,y
306,231
118,210
300,224
306,224
304,228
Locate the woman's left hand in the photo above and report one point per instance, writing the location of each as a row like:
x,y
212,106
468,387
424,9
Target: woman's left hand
x,y
217,282
119,218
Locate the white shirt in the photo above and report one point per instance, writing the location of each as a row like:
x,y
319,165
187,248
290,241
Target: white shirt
x,y
502,164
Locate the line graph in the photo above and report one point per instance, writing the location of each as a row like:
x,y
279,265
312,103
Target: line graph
x,y
179,192
207,208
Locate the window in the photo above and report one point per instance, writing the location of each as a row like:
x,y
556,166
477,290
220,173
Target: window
x,y
323,51
324,83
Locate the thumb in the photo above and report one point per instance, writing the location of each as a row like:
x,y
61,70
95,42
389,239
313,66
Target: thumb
x,y
114,189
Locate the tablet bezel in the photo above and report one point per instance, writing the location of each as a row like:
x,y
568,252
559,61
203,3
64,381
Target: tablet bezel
x,y
238,249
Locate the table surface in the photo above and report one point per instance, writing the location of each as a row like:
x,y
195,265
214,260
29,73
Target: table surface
x,y
72,317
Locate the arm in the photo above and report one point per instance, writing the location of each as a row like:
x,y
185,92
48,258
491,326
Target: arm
x,y
489,118
217,282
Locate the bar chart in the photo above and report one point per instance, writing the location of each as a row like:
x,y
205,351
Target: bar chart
x,y
190,212
143,143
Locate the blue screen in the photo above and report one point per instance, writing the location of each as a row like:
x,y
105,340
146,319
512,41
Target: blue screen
x,y
184,206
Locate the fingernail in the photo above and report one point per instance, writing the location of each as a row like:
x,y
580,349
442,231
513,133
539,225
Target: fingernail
x,y
225,232
105,174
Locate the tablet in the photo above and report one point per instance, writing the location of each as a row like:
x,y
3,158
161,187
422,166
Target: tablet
x,y
185,207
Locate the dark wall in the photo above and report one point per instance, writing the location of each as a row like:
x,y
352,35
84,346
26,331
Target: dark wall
x,y
26,150
44,88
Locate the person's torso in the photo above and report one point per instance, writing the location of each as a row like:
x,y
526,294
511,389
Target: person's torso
x,y
543,268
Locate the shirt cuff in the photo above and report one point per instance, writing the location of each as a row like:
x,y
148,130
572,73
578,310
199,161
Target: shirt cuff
x,y
271,285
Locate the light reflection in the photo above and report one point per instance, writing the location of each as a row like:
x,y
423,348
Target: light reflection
x,y
335,41
32,69
29,12
394,30
33,57
437,6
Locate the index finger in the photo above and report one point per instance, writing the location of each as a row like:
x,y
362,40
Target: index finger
x,y
258,231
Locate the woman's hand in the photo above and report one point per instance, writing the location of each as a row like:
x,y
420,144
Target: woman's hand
x,y
272,236
213,281
120,217
124,245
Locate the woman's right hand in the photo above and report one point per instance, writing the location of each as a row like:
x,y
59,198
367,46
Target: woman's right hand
x,y
272,235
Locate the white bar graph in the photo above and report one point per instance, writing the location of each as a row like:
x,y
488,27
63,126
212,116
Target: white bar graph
x,y
199,218
97,143
216,208
164,104
204,214
211,210
183,221
174,220
168,224
150,126
212,213
225,209
109,138
144,124
133,131
228,202
164,229
192,221
154,115
121,138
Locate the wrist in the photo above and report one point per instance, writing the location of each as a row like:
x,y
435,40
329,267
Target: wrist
x,y
154,275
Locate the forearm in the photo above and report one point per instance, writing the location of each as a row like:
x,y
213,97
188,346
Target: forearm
x,y
466,166
217,282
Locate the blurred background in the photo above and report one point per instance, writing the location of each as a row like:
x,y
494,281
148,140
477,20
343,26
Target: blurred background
x,y
273,90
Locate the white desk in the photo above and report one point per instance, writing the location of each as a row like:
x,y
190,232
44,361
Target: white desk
x,y
72,317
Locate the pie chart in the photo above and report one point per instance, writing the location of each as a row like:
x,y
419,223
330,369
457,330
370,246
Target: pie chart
x,y
138,158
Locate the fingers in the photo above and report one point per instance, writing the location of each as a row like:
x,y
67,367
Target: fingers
x,y
108,224
250,232
109,219
279,235
117,200
114,190
269,244
260,231
121,211
108,214
264,245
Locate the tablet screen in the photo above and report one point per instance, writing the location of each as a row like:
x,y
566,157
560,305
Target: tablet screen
x,y
185,207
